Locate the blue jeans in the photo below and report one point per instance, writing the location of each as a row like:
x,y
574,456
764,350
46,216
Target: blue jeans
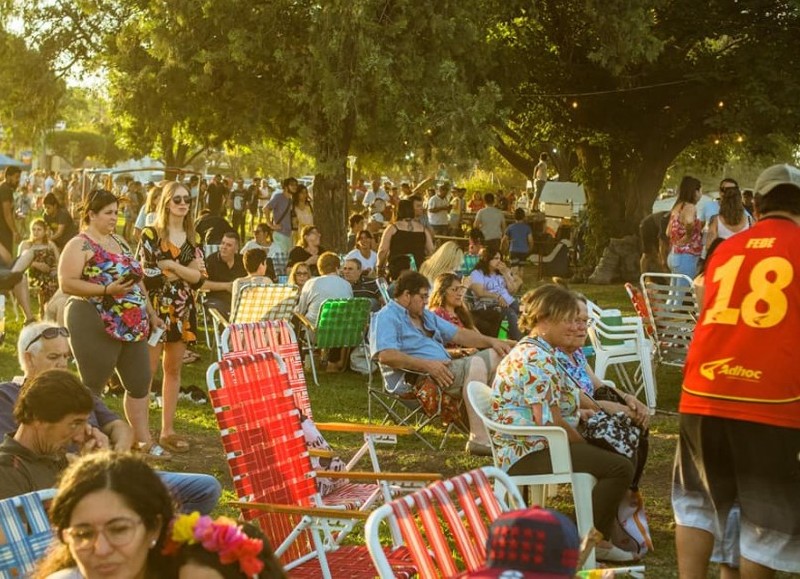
x,y
684,263
192,491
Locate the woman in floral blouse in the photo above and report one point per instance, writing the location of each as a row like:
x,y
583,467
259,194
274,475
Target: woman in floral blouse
x,y
530,389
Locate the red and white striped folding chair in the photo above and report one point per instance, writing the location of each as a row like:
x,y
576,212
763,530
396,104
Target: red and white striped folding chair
x,y
445,526
278,336
273,476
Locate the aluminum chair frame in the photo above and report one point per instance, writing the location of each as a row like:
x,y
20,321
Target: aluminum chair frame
x,y
268,459
26,532
477,504
673,311
335,329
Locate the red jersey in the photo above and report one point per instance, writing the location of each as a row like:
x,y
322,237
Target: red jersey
x,y
743,360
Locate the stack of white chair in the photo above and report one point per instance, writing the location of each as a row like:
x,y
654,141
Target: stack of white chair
x,y
618,340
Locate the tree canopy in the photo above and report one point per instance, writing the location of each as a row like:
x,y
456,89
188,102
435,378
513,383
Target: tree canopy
x,y
617,89
629,85
31,90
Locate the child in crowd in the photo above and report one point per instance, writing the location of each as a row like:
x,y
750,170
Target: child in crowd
x,y
518,238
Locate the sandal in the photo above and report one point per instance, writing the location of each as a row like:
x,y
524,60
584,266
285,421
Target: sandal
x,y
152,450
175,443
189,357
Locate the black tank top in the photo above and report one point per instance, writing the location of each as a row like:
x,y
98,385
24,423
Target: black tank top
x,y
404,242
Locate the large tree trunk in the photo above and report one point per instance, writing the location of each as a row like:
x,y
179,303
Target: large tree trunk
x,y
330,206
331,196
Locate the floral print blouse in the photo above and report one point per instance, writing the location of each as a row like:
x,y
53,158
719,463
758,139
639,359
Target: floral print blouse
x,y
527,385
576,370
124,317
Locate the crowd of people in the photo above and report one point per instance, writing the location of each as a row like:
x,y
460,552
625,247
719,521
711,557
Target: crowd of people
x,y
132,303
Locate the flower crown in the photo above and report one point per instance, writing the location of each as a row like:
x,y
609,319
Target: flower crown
x,y
222,536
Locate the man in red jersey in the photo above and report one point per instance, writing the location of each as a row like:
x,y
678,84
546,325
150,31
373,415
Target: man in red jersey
x,y
740,405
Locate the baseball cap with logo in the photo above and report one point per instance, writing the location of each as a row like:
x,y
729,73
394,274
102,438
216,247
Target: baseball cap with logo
x,y
532,543
782,174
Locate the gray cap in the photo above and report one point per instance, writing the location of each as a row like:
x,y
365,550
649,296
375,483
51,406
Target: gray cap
x,y
771,177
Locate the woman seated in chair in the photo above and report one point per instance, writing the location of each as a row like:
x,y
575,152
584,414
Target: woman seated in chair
x,y
529,389
447,302
571,358
493,280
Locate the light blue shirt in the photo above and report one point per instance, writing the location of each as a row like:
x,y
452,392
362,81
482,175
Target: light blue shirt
x,y
392,329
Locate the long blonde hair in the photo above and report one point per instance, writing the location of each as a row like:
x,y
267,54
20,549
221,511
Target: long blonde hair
x,y
447,259
162,212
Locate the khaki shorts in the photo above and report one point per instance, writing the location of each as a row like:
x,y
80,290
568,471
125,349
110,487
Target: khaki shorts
x,y
460,370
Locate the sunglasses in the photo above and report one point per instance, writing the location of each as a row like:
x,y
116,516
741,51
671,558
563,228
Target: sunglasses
x,y
48,334
181,200
730,189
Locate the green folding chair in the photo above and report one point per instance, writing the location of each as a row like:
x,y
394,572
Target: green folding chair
x,y
342,323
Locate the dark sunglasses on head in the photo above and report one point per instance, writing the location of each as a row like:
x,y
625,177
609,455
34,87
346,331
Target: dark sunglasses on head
x,y
731,189
48,334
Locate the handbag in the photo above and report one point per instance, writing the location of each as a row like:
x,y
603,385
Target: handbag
x,y
615,432
631,531
610,431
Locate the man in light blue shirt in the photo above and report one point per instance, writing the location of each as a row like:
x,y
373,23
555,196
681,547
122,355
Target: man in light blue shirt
x,y
405,336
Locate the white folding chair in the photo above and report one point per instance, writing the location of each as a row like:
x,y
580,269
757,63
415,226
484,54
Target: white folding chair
x,y
480,397
673,310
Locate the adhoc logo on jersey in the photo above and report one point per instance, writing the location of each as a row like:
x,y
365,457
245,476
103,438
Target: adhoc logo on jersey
x,y
722,367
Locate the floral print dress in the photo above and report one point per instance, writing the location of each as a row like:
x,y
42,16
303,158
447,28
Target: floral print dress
x,y
173,300
527,385
46,282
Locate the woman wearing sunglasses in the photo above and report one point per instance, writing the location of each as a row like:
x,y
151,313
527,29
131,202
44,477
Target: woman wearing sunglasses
x,y
107,313
169,245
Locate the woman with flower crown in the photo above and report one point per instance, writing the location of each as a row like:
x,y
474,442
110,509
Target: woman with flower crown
x,y
200,547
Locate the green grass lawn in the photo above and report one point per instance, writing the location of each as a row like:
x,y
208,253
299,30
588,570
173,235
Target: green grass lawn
x,y
343,397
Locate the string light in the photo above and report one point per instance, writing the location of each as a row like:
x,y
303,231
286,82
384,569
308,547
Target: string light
x,y
612,91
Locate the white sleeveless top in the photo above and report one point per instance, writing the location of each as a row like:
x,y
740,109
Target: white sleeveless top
x,y
724,233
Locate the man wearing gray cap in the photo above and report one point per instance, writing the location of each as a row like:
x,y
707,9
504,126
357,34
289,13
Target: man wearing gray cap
x,y
740,405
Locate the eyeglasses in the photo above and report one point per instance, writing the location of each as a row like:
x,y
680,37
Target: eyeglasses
x,y
424,295
118,532
180,200
48,334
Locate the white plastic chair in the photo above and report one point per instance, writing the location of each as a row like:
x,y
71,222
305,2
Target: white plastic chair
x,y
622,342
480,397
